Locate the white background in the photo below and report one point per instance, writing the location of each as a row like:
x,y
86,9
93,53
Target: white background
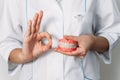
x,y
108,72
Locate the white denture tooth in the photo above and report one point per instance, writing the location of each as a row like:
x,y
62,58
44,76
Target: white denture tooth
x,y
67,45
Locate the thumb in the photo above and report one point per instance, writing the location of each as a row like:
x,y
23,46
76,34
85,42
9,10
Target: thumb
x,y
70,37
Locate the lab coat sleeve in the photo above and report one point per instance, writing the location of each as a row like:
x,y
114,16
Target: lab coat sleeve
x,y
107,24
11,36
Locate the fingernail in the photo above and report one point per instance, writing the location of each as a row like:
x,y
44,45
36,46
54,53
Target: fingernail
x,y
41,12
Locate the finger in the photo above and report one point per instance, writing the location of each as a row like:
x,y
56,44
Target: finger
x,y
47,47
81,55
80,51
44,35
70,37
72,53
34,22
28,31
48,37
39,21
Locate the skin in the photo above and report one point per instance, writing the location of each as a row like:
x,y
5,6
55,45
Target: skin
x,y
34,48
32,44
85,43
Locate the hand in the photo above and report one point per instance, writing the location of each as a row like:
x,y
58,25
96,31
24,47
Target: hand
x,y
84,44
32,44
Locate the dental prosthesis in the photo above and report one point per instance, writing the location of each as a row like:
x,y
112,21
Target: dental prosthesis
x,y
67,45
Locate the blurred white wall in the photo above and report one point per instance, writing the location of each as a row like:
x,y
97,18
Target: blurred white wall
x,y
108,72
112,71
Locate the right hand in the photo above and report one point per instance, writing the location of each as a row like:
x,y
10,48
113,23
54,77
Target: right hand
x,y
32,44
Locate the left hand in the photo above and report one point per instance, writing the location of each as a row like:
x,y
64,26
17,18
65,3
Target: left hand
x,y
85,43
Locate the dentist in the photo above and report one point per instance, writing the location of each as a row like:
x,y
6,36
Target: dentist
x,y
34,27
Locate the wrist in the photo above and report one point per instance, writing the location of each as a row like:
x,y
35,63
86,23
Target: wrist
x,y
92,41
25,58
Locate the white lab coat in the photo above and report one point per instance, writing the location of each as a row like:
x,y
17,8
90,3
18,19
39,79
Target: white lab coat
x,y
61,17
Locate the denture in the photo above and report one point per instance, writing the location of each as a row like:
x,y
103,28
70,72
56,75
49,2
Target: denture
x,y
67,45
